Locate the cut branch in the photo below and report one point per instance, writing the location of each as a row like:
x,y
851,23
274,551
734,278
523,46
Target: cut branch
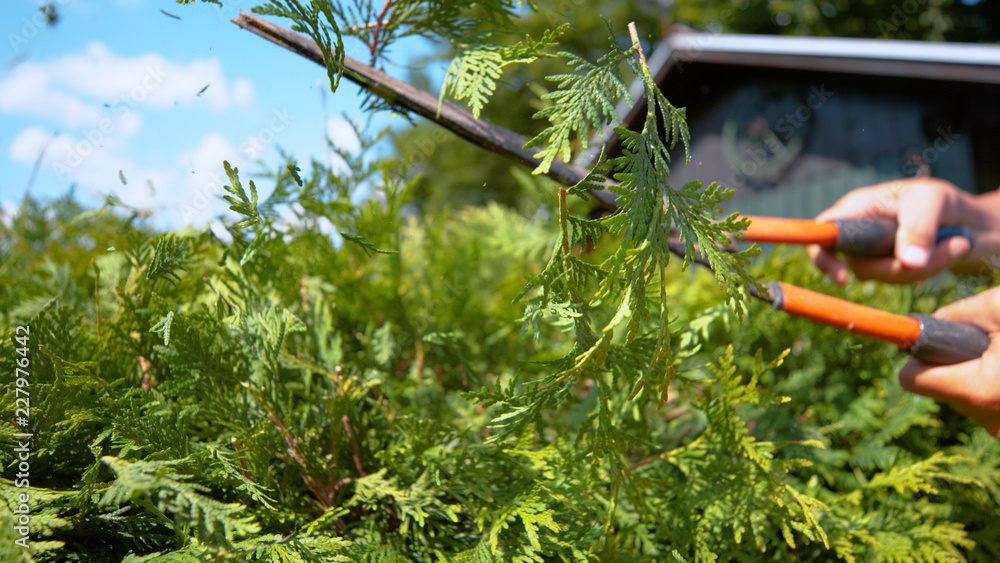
x,y
635,43
497,139
493,137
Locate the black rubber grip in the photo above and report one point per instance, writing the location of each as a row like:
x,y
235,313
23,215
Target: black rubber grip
x,y
944,342
949,231
877,236
866,237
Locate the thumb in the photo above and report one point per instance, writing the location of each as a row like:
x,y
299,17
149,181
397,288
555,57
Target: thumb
x,y
919,215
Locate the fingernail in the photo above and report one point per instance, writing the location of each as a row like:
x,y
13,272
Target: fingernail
x,y
958,247
914,256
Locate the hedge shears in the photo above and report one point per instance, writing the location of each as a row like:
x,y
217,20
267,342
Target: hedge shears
x,y
931,340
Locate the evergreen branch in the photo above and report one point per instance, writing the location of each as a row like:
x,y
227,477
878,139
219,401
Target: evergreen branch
x,y
254,489
488,136
323,490
379,23
473,73
153,486
650,207
472,76
294,170
583,101
246,206
917,477
531,510
169,256
366,246
413,505
316,19
163,327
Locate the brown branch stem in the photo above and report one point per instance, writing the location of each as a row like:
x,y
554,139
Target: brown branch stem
x,y
634,34
324,491
564,220
97,296
450,116
486,135
354,446
373,47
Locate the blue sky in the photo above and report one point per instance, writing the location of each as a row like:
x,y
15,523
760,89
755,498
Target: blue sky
x,y
114,87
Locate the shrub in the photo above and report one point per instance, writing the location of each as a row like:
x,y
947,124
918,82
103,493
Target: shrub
x,y
390,390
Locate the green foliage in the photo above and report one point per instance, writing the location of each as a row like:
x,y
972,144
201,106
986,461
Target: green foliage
x,y
581,295
246,206
315,404
378,25
168,258
582,101
935,20
317,19
365,245
151,486
163,327
473,73
647,201
369,397
442,158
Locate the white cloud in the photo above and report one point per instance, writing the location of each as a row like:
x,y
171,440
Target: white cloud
x,y
342,134
8,210
98,99
86,159
243,92
187,192
28,90
198,198
81,89
211,151
27,144
292,217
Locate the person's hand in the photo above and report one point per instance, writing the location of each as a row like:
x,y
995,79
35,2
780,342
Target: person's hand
x,y
919,206
971,388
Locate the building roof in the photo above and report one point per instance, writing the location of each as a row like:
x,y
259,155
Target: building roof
x,y
925,60
884,57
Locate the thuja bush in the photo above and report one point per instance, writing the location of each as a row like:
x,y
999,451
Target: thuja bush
x,y
333,381
348,398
